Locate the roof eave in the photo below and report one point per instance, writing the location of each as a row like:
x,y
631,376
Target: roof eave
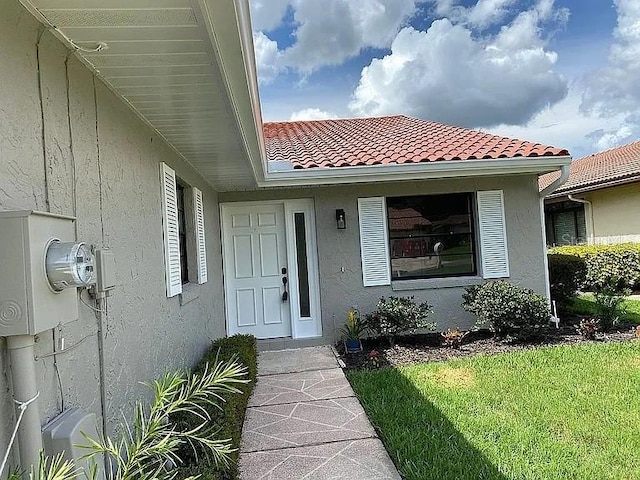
x,y
596,186
415,171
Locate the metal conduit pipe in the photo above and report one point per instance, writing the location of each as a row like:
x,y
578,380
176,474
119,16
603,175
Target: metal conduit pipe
x,y
25,389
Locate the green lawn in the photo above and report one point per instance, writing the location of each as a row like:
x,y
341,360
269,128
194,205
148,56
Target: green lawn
x,y
585,305
569,412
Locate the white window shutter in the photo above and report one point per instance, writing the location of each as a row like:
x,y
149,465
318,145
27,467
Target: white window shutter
x,y
493,234
374,244
201,249
173,274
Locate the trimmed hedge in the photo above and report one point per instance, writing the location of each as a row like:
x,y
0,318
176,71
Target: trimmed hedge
x,y
606,263
506,308
226,422
567,274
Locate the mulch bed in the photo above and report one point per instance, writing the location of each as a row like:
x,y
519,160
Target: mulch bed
x,y
428,348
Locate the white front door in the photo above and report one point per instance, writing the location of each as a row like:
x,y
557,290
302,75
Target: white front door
x,y
255,264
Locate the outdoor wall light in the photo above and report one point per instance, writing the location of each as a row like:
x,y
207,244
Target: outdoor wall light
x,y
341,219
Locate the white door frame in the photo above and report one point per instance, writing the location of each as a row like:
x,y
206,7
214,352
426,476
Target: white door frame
x,y
301,327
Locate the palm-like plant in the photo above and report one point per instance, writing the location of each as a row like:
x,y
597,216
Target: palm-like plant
x,y
49,468
147,449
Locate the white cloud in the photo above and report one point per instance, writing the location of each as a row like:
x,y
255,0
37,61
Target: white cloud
x,y
330,32
481,15
447,74
311,114
563,125
615,89
268,58
267,15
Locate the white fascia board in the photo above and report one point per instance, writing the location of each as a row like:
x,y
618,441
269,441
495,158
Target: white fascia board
x,y
415,171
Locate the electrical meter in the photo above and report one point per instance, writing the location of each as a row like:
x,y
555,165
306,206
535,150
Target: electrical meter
x,y
68,264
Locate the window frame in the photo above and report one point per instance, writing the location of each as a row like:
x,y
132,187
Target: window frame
x,y
474,234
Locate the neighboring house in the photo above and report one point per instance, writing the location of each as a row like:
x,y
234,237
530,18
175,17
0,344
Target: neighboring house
x,y
141,120
600,200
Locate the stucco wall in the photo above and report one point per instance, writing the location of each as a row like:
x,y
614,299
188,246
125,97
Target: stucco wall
x,y
340,249
96,160
615,214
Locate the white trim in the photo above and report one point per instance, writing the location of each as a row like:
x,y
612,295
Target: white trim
x,y
416,171
301,327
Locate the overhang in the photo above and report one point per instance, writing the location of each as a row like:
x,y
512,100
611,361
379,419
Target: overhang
x,y
182,66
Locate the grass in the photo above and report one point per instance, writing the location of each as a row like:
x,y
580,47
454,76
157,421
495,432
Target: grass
x,y
586,305
568,412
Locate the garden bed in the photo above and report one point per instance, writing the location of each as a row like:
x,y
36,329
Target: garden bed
x,y
428,348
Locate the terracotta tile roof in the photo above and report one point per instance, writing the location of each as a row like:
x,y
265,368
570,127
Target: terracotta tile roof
x,y
388,140
600,169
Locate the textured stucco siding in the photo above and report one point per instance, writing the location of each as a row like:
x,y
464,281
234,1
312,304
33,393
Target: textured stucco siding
x,y
93,158
340,249
614,211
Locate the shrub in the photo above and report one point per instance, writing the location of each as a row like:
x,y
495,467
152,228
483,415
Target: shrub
x,y
604,262
609,306
506,308
398,315
227,421
567,274
588,328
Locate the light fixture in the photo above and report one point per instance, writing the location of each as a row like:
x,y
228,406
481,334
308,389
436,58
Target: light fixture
x,y
341,219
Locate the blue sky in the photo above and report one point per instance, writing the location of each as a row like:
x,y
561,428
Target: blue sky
x,y
563,72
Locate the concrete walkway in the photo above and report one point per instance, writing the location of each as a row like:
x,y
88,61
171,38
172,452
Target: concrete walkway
x,y
304,422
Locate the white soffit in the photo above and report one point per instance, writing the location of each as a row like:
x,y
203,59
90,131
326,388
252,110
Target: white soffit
x,y
161,60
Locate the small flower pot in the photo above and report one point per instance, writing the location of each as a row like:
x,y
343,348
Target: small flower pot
x,y
353,345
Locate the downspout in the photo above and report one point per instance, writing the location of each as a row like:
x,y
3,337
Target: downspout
x,y
564,176
591,233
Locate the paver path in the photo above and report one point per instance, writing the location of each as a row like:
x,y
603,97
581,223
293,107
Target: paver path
x,y
305,422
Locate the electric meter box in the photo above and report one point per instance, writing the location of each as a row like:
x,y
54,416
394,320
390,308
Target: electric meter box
x,y
28,303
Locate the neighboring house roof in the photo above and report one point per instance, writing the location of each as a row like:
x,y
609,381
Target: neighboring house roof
x,y
611,167
388,140
406,219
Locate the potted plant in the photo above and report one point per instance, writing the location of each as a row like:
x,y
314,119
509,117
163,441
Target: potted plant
x,y
351,331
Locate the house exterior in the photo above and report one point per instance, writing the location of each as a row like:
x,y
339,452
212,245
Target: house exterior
x,y
598,204
139,123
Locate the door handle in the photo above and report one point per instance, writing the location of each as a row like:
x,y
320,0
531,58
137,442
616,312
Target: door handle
x,y
285,283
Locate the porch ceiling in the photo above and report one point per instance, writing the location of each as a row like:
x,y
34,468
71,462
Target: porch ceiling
x,y
176,63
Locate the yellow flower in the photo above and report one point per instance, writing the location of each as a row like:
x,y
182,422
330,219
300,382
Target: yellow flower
x,y
351,316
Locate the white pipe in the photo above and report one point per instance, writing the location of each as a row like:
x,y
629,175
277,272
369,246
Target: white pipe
x,y
25,389
565,170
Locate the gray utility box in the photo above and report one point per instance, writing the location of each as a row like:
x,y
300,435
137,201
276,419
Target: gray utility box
x,y
66,434
28,304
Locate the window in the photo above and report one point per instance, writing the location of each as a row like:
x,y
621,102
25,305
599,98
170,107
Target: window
x,y
431,236
184,232
565,223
